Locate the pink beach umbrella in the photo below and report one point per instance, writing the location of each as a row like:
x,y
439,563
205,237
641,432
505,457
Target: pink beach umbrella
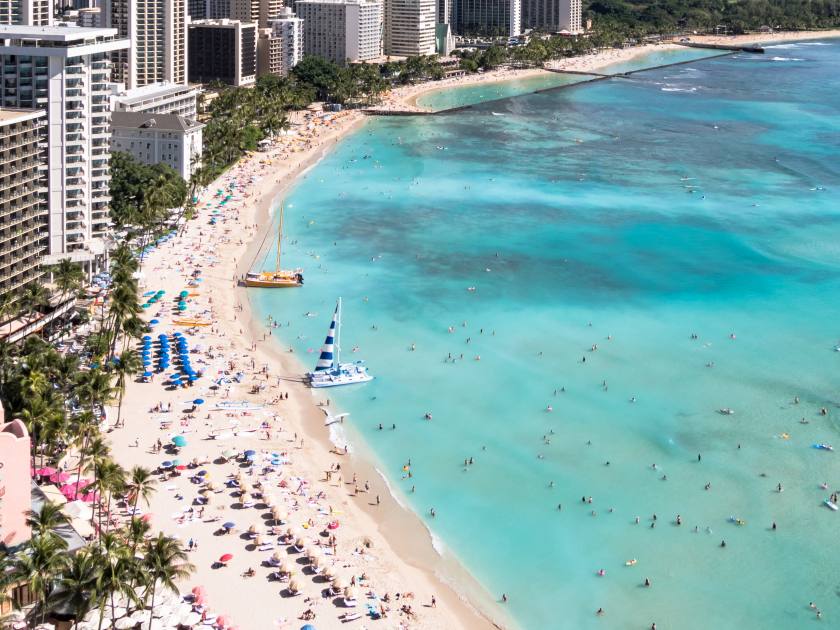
x,y
60,476
198,590
90,497
226,558
222,621
45,472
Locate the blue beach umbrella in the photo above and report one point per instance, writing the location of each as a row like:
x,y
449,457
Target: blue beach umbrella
x,y
147,337
166,464
229,525
250,452
147,374
154,321
198,401
180,441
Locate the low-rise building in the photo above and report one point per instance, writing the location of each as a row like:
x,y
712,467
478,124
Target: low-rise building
x,y
156,138
15,483
223,50
156,98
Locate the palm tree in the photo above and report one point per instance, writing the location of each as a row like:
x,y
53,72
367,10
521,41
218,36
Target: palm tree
x,y
125,366
37,415
68,276
164,563
93,388
78,585
141,485
112,478
45,559
117,570
94,451
44,522
34,296
8,308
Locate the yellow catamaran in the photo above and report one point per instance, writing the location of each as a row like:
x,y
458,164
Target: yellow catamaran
x,y
279,278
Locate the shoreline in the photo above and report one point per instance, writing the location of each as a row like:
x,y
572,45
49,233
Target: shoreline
x,y
402,556
400,526
400,537
405,98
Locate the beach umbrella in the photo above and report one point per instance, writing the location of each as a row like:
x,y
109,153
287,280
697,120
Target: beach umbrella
x,y
126,623
190,619
60,477
141,616
228,453
349,593
308,626
166,464
201,473
294,586
229,525
179,441
147,337
222,621
176,461
90,497
196,590
198,401
250,452
148,374
45,471
226,558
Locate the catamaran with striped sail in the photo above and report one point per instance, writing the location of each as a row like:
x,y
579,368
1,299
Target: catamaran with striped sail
x,y
330,371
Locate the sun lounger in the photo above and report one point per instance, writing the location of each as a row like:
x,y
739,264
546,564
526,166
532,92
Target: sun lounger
x,y
350,617
266,547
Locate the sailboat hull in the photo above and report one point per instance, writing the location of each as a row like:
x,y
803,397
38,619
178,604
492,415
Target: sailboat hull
x,y
346,374
272,280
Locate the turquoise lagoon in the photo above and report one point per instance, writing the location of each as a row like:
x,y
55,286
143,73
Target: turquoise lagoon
x,y
630,214
485,93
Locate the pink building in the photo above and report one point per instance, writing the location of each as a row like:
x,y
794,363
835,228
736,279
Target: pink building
x,y
15,482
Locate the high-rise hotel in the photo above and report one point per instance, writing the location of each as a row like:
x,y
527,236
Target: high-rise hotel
x,y
65,72
157,30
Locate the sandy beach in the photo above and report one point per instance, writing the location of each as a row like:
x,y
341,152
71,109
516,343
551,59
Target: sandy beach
x,y
379,546
356,529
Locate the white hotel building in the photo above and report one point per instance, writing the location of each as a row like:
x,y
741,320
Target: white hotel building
x,y
65,71
341,30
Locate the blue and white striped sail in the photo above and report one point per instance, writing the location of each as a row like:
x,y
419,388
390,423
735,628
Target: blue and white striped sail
x,y
327,359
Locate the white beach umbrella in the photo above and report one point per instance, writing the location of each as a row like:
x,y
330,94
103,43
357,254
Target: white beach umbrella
x,y
126,623
141,616
191,619
162,611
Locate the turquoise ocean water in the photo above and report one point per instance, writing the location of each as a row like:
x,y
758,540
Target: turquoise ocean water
x,y
630,214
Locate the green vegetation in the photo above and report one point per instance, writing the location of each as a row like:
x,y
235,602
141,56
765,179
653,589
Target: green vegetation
x,y
638,17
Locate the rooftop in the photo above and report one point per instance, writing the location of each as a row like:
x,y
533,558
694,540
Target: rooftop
x,y
54,33
163,122
140,94
10,115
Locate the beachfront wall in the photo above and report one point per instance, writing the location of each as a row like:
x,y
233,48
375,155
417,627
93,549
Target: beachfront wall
x,y
15,484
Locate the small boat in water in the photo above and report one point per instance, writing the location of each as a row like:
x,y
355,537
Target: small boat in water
x,y
824,447
830,504
278,278
329,371
726,411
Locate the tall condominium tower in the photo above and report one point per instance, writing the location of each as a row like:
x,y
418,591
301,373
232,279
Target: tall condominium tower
x,y
157,30
280,47
488,17
341,30
552,15
66,71
223,50
23,213
409,27
445,11
31,12
257,11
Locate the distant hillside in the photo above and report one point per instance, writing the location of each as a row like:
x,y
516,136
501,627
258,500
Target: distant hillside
x,y
737,15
